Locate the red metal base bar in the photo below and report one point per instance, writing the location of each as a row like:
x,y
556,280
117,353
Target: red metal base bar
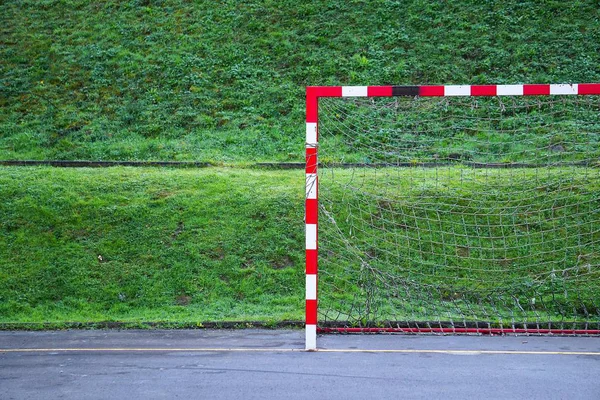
x,y
481,331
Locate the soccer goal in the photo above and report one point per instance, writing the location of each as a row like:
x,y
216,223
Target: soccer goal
x,y
453,209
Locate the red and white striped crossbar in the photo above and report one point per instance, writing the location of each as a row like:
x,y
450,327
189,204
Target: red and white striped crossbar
x,y
313,93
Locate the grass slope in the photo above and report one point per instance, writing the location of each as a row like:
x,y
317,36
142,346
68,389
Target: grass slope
x,y
224,81
145,245
221,82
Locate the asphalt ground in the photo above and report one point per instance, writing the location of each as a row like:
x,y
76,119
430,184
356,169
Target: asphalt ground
x,y
252,364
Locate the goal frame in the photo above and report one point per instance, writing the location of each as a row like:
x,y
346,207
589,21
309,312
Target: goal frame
x,y
313,93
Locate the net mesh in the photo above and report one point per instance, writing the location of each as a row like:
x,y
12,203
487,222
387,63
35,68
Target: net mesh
x,y
459,212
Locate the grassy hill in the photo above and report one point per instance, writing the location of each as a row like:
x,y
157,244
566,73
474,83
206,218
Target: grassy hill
x,y
226,244
132,244
218,82
224,81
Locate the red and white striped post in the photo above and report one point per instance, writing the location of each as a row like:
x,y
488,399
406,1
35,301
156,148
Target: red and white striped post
x,y
311,218
313,93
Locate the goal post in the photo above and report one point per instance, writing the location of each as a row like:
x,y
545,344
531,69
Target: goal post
x,y
453,209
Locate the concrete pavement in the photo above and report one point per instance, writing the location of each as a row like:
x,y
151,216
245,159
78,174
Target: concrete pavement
x,y
248,364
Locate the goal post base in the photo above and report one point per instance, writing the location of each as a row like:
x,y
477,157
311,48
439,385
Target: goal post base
x,y
311,337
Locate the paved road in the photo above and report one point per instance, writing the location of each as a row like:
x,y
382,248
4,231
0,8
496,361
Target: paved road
x,y
270,364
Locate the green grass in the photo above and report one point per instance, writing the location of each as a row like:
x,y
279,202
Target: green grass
x,y
221,82
224,81
126,244
139,245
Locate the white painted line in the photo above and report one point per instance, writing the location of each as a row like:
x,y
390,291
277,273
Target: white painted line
x,y
457,90
564,89
147,349
311,287
311,337
509,90
311,186
311,236
311,133
354,91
